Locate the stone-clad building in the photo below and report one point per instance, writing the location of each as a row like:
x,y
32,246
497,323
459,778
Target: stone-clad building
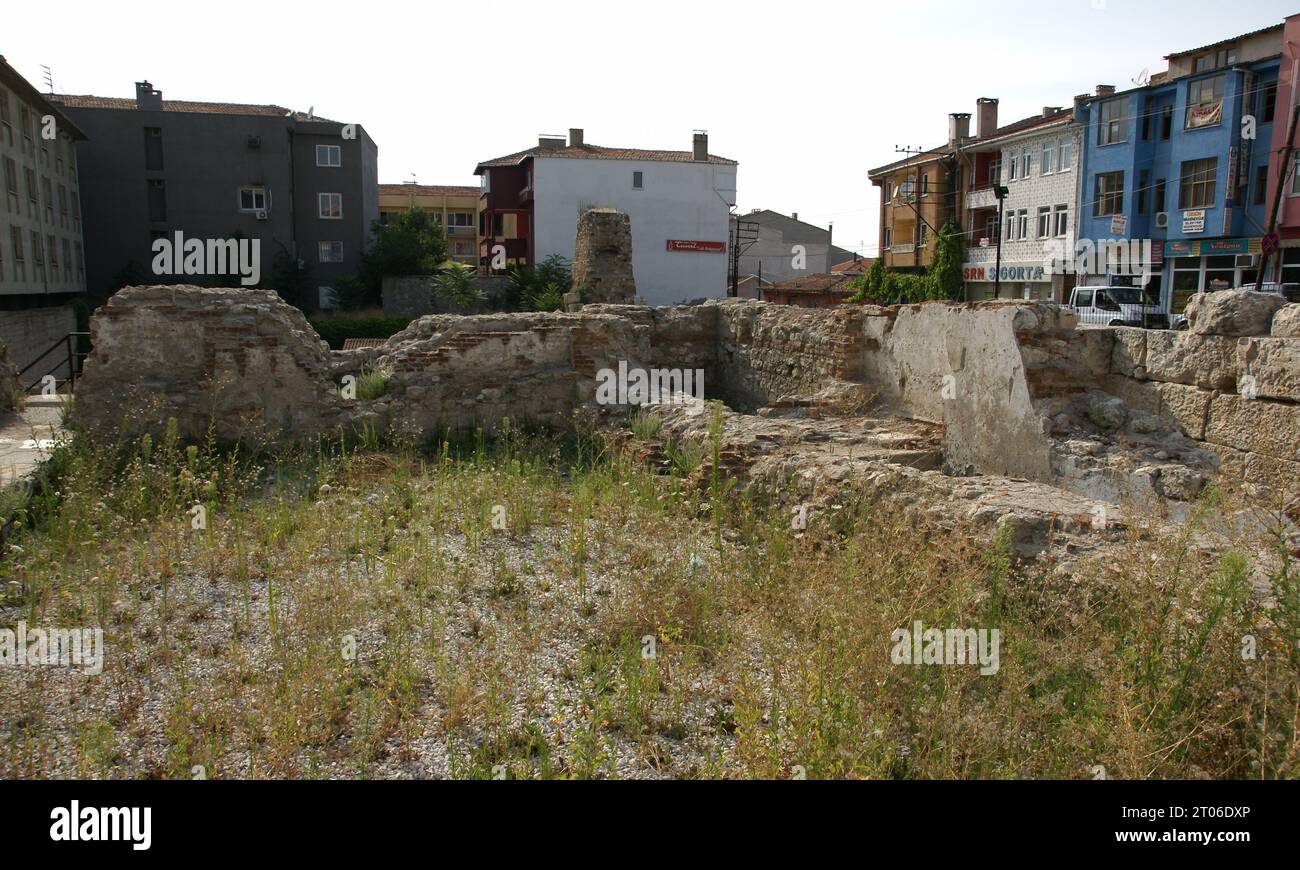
x,y
42,266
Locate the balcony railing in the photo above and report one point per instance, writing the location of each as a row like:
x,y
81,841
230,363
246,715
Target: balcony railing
x,y
902,249
981,199
460,231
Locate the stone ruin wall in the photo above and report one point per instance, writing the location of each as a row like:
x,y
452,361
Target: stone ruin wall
x,y
998,376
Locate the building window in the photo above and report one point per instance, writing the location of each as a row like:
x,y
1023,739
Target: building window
x,y
1067,156
1014,163
1044,222
329,155
1267,112
1027,164
252,199
1158,202
1147,112
889,190
991,229
638,180
1196,189
1144,182
1166,123
460,219
889,238
47,191
1261,185
1049,158
1108,194
1204,103
1062,216
20,263
1010,234
925,184
331,252
67,260
995,172
331,206
1113,127
157,200
11,176
153,151
1023,229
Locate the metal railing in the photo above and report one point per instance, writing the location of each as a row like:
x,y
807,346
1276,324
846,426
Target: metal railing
x,y
67,352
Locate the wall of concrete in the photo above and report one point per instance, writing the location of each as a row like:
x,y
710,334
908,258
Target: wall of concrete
x,y
29,332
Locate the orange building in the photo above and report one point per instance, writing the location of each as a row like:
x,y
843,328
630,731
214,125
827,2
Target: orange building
x,y
454,208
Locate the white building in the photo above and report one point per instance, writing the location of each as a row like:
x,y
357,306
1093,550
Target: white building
x,y
678,202
1036,161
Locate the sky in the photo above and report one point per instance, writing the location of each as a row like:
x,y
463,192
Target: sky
x,y
806,95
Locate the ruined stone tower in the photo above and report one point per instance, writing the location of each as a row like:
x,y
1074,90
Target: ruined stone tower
x,y
602,257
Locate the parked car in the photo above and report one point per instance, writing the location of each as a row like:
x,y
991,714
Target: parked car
x,y
1291,292
1117,306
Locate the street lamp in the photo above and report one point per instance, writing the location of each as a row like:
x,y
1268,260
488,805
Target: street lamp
x,y
1001,193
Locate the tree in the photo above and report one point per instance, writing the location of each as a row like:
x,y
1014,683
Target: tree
x,y
411,243
944,276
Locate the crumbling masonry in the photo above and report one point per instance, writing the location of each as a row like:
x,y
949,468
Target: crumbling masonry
x,y
1014,391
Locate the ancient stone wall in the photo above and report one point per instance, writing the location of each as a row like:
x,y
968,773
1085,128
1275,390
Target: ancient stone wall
x,y
1019,388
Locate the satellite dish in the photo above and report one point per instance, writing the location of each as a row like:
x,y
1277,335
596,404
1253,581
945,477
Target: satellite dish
x,y
1143,78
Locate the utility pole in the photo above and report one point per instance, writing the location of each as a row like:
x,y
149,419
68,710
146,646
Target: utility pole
x,y
1285,166
1000,193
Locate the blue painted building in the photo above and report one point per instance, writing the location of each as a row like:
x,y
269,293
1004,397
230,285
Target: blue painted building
x,y
1173,162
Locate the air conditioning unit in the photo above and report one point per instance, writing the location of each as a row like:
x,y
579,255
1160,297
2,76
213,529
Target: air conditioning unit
x,y
261,214
254,141
1162,219
1247,261
984,242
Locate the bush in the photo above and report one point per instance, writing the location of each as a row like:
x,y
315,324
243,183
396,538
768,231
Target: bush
x,y
336,330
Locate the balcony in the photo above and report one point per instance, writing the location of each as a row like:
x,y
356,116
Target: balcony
x,y
981,199
902,249
526,196
467,232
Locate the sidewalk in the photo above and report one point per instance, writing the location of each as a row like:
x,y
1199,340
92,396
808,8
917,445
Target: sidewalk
x,y
25,437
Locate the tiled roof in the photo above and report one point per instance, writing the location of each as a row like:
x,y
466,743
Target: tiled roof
x,y
820,283
427,190
914,160
1023,126
1232,39
359,343
860,266
597,152
85,101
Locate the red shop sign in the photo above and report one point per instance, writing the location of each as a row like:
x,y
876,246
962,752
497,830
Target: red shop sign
x,y
701,247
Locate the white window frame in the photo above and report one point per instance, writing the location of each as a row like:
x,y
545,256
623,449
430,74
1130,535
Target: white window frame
x,y
323,247
1015,168
1061,221
1066,151
321,208
1044,220
1048,160
329,150
256,191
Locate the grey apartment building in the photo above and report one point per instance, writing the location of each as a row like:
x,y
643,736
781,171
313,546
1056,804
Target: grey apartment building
x,y
42,269
307,187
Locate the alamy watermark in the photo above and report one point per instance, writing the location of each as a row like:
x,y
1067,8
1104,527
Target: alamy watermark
x,y
1133,258
209,257
642,387
53,647
954,646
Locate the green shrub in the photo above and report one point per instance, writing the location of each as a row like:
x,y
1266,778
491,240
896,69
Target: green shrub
x,y
336,330
372,384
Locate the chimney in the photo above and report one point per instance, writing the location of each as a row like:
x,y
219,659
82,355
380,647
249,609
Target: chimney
x,y
1049,111
1105,90
549,140
958,127
575,137
146,98
700,146
794,215
987,109
1081,107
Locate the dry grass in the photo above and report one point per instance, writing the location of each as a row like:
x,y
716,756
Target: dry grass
x,y
380,615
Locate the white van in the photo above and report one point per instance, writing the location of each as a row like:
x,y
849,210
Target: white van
x,y
1117,306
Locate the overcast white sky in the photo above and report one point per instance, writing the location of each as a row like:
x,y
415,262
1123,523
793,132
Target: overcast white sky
x,y
806,95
